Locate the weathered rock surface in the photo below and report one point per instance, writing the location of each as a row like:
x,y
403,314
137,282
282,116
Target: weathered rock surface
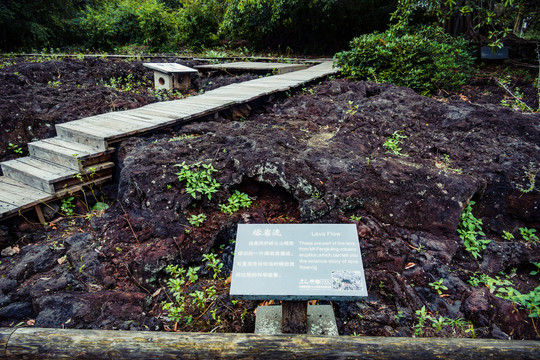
x,y
314,157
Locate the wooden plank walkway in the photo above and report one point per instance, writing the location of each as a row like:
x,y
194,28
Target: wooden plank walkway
x,y
80,155
250,66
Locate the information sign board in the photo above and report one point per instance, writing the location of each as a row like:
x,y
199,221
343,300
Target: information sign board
x,y
297,262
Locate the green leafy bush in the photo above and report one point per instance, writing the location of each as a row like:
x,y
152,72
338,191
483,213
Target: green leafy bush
x,y
199,22
308,25
157,25
38,24
424,59
236,201
123,22
198,178
504,288
470,228
197,220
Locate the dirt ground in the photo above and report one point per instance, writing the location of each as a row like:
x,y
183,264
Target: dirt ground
x,y
313,156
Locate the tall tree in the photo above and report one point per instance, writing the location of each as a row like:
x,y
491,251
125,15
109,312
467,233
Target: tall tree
x,y
474,18
37,23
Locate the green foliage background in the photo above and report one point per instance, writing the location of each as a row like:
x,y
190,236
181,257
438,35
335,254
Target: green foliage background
x,y
299,25
38,23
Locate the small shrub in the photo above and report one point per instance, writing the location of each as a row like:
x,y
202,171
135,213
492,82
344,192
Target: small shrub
x,y
528,235
424,59
67,207
438,286
530,177
236,201
504,289
469,230
393,143
507,235
198,178
197,220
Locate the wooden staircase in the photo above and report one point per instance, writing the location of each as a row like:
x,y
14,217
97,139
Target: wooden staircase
x,y
80,154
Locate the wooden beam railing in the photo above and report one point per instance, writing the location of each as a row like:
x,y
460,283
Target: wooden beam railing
x,y
41,343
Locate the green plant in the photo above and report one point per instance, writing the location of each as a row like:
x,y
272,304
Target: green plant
x,y
353,109
425,59
528,234
199,298
100,206
313,26
16,149
536,272
198,178
419,248
216,317
469,230
89,176
422,316
504,288
176,308
444,163
393,143
438,323
516,101
438,286
67,207
198,23
191,274
197,220
355,218
111,24
236,201
530,176
507,235
213,263
182,137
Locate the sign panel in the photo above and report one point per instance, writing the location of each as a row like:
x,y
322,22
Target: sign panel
x,y
297,262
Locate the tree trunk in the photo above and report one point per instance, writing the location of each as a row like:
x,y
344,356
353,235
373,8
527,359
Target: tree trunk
x,y
42,344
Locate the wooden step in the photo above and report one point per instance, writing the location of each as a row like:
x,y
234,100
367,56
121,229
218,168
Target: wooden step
x,y
47,176
66,153
74,131
17,197
17,193
36,173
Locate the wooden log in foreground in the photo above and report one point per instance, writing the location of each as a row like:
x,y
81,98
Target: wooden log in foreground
x,y
39,343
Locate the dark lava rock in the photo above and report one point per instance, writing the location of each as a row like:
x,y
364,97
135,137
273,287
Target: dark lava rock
x,y
331,163
341,163
6,285
17,311
308,158
100,310
82,255
4,236
34,259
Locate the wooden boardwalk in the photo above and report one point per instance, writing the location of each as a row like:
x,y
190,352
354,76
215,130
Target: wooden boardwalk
x,y
250,66
80,154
